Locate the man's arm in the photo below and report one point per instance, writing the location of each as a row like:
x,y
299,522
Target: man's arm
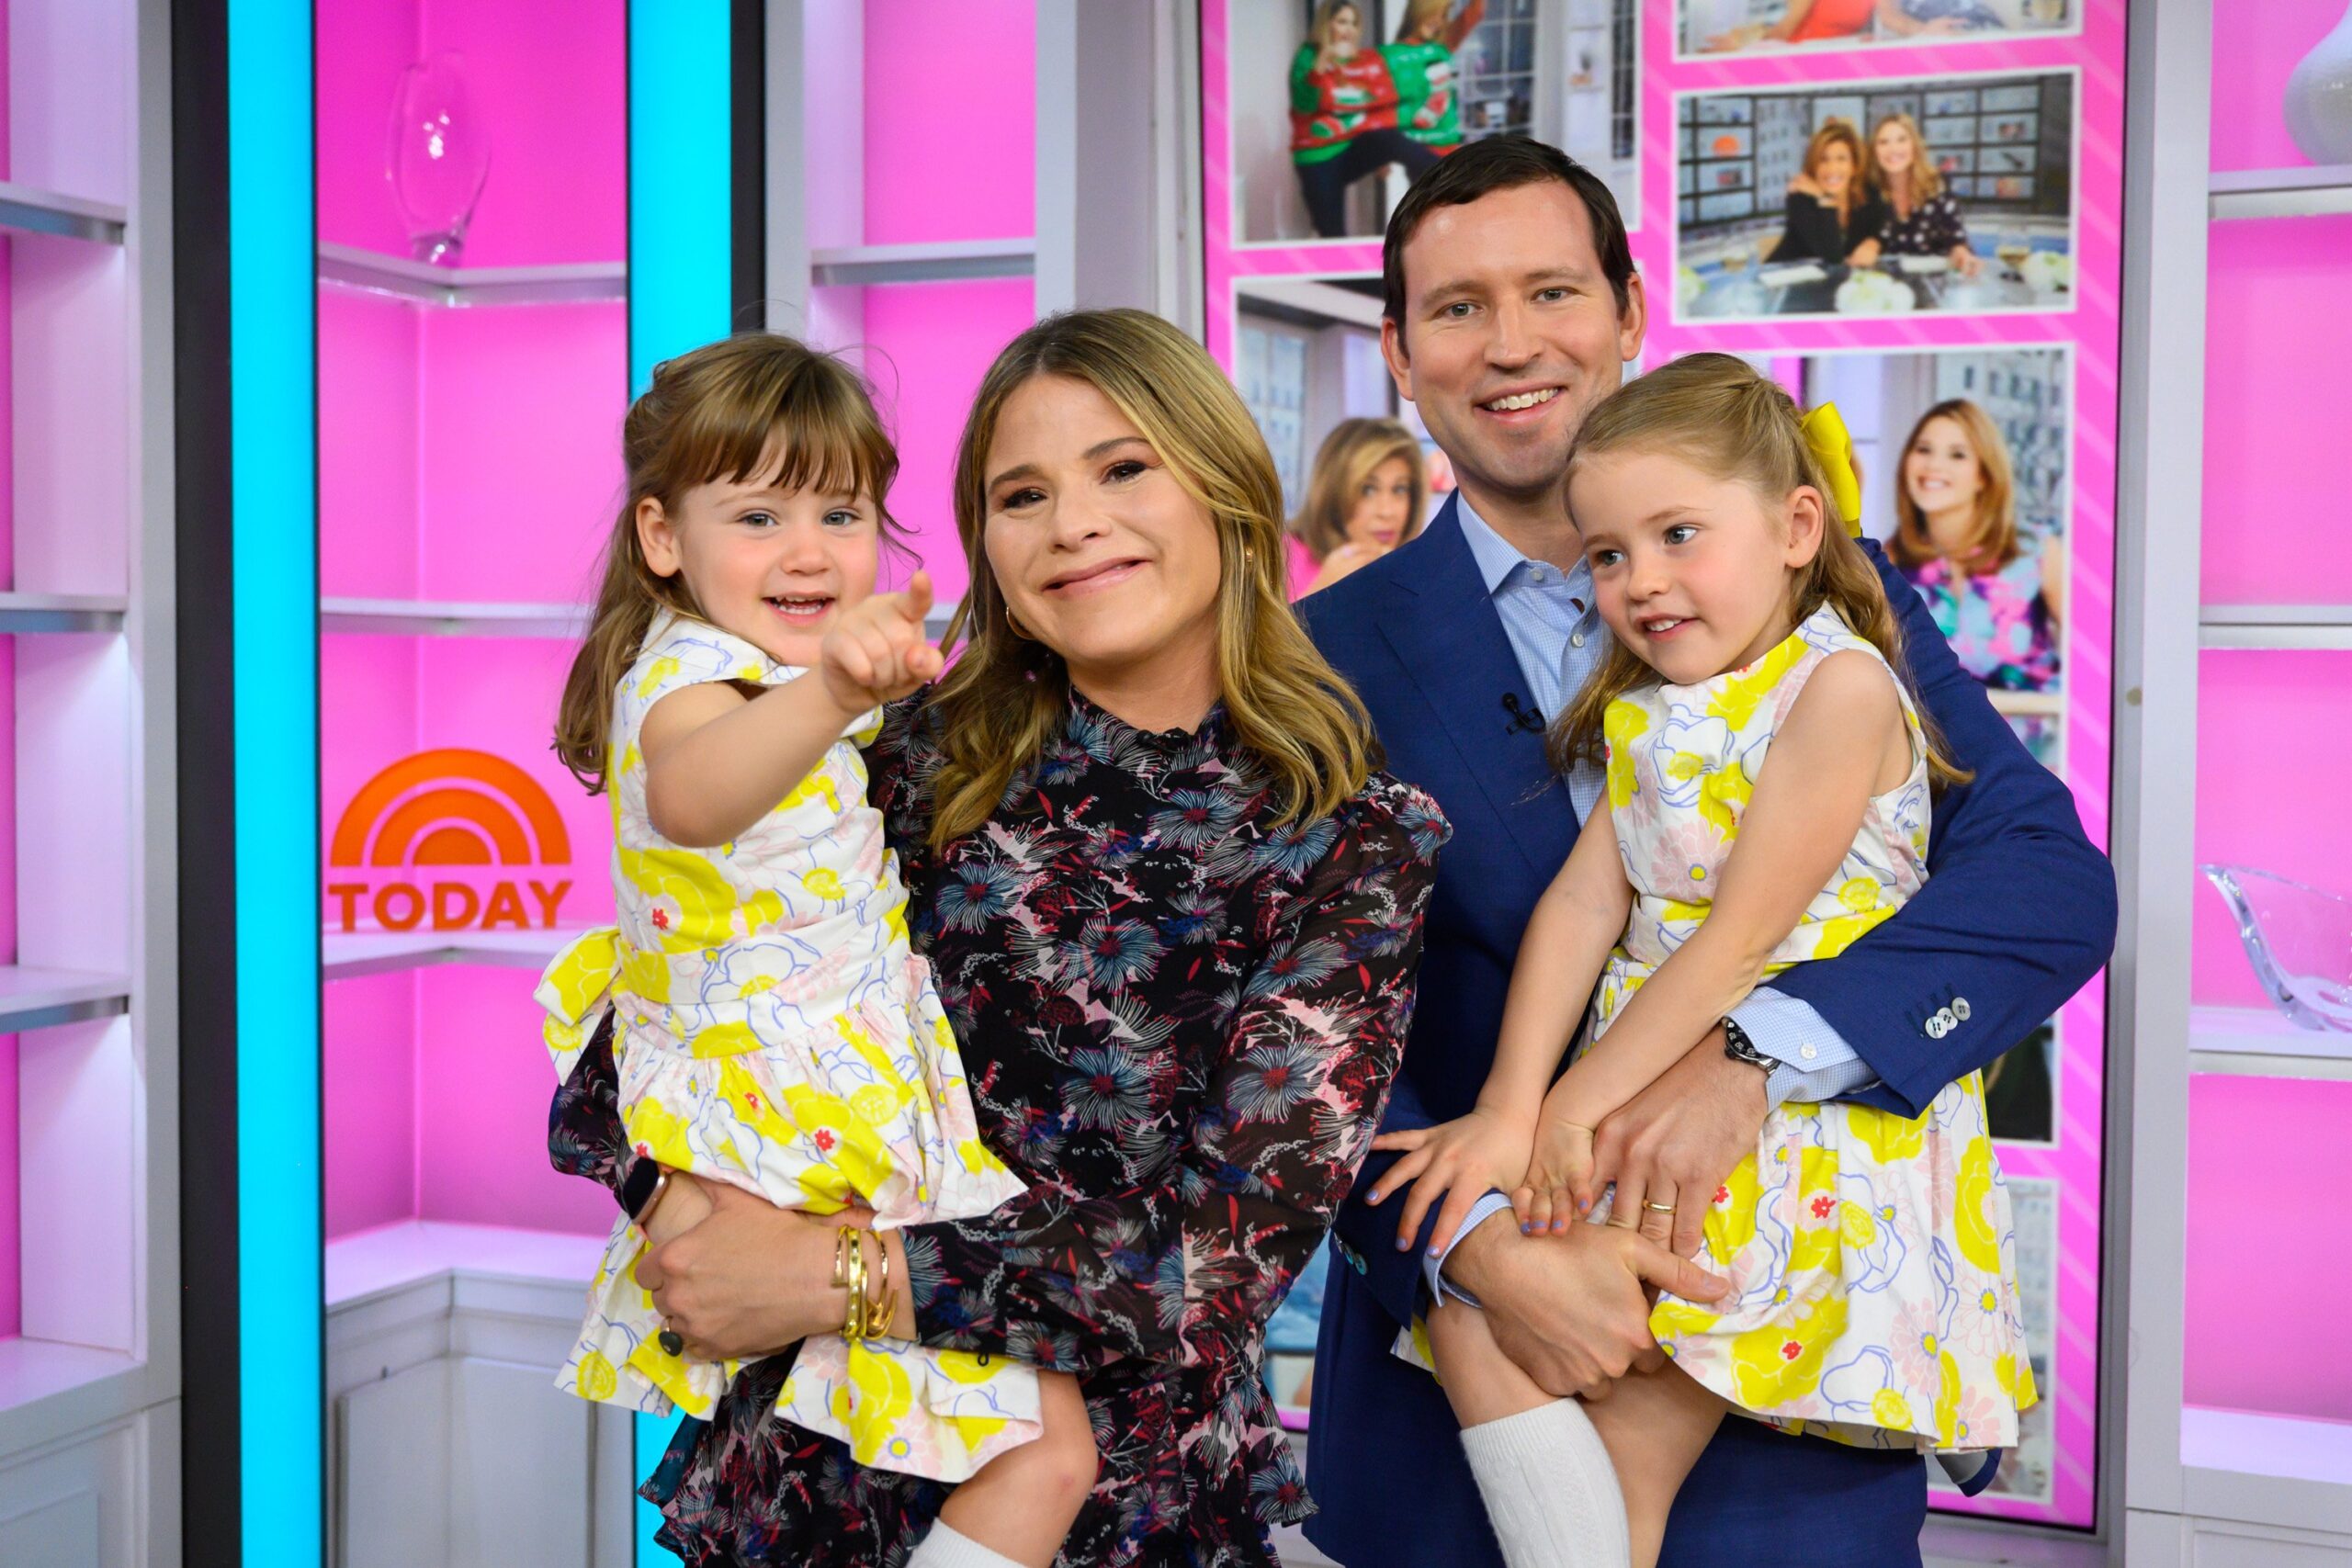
x,y
2018,914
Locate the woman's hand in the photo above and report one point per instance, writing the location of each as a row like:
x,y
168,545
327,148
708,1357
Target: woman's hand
x,y
1350,556
1804,185
684,1205
749,1281
878,650
1966,261
1457,1160
1865,254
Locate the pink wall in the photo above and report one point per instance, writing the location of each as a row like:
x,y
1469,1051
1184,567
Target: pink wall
x,y
2255,46
927,347
547,78
950,120
2265,1324
11,1296
369,1094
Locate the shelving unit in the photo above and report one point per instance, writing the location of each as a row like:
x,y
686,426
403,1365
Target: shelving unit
x,y
2275,625
30,212
855,266
348,266
61,611
41,999
2262,1481
347,957
2309,192
419,617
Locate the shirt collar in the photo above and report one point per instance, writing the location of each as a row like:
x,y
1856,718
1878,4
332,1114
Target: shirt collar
x,y
1498,558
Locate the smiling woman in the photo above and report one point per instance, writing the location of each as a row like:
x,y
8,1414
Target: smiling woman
x,y
1174,916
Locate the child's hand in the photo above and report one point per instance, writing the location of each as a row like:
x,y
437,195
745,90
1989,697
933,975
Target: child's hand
x,y
1457,1160
1561,1184
878,651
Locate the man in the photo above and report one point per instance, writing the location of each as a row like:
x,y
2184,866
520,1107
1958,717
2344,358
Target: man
x,y
1511,309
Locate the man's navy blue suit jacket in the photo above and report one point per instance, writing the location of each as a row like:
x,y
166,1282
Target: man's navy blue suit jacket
x,y
2018,914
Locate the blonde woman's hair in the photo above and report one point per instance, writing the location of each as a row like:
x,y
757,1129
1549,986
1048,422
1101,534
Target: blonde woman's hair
x,y
1719,415
1993,538
1005,696
1343,463
1839,133
1318,32
754,407
1927,181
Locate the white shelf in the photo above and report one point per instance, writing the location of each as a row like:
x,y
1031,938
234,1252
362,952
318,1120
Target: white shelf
x,y
2247,1442
560,283
2310,192
31,211
61,612
942,261
427,618
2275,625
38,1369
348,956
2263,1042
391,1256
37,999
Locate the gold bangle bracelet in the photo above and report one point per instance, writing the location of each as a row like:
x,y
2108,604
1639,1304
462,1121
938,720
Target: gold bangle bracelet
x,y
853,1318
877,1323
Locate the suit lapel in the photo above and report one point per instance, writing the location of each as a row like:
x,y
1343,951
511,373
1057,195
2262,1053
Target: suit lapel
x,y
1450,639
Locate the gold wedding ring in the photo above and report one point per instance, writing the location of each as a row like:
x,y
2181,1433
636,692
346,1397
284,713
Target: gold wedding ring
x,y
1659,1207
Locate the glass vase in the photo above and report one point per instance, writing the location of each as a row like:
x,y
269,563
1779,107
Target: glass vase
x,y
2299,939
439,156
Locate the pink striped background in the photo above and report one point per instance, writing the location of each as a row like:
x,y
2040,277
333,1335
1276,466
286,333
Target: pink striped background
x,y
2097,52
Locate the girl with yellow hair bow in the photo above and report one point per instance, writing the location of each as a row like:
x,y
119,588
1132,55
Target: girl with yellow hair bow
x,y
1769,788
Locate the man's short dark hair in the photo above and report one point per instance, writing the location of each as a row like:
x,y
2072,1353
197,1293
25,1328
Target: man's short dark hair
x,y
1501,163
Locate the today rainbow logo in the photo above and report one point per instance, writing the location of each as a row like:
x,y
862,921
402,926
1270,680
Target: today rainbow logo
x,y
450,810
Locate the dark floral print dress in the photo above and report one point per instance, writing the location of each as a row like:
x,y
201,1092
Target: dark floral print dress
x,y
1180,1023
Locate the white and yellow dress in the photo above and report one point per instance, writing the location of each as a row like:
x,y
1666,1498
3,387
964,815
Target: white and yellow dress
x,y
1871,1255
773,1029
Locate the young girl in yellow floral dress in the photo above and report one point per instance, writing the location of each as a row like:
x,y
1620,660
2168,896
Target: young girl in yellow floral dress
x,y
772,1029
1769,791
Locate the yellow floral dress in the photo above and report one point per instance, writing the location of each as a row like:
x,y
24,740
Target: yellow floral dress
x,y
1871,1255
773,1029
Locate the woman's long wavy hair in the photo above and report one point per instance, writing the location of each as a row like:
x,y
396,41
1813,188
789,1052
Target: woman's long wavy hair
x,y
757,404
1005,696
1923,181
1992,541
1342,465
1840,133
1719,415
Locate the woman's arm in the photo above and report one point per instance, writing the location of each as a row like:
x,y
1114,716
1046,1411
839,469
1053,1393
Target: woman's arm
x,y
1827,760
1809,231
1464,23
1790,21
2053,590
1575,923
1202,1253
584,1135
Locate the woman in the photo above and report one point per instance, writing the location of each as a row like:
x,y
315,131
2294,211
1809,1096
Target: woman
x,y
1832,212
1922,219
1366,496
1356,108
1996,595
1175,913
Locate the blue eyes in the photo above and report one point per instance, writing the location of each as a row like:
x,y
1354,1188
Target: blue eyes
x,y
839,517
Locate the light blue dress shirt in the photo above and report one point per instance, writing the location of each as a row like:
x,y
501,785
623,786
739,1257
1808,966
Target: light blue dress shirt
x,y
1558,638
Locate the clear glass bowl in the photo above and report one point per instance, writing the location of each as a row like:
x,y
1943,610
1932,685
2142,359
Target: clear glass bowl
x,y
2299,938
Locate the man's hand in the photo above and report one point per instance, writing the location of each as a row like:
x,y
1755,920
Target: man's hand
x,y
748,1280
1572,1309
877,652
1677,1141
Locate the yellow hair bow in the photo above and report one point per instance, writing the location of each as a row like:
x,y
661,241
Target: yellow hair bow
x,y
1833,453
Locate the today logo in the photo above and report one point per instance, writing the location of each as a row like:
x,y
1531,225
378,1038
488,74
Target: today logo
x,y
467,813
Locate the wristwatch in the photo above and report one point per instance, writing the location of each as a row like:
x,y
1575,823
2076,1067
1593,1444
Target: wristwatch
x,y
1740,1048
642,1188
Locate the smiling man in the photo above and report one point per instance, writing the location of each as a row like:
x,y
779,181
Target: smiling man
x,y
1512,307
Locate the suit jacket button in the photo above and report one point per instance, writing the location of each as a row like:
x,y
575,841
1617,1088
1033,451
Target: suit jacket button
x,y
1935,1026
1959,1009
1951,1019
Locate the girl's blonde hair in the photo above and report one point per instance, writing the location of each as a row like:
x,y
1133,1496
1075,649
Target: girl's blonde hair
x,y
1993,538
1719,415
1005,696
1342,465
1318,32
1838,133
756,406
1927,181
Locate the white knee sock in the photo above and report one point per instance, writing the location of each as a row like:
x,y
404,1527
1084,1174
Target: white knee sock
x,y
1550,1491
944,1547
